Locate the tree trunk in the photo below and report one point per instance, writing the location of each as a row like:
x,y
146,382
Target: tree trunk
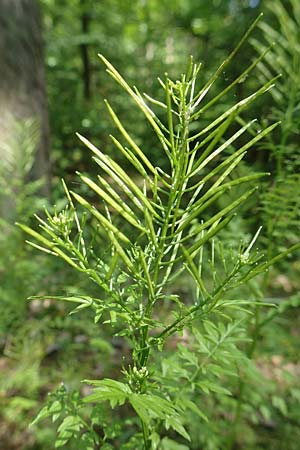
x,y
23,105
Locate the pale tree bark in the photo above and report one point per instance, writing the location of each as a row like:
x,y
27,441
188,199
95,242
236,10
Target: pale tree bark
x,y
24,130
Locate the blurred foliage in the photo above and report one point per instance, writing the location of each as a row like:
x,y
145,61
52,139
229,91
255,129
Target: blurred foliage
x,y
144,39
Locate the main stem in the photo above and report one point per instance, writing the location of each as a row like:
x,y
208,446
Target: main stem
x,y
181,160
145,429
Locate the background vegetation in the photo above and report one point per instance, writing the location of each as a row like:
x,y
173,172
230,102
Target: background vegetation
x,y
41,346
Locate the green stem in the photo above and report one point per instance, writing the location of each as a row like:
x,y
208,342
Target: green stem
x,y
213,298
144,347
147,444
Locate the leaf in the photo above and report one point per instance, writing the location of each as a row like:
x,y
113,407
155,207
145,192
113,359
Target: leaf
x,y
211,331
208,386
55,409
215,228
265,412
175,423
155,440
121,177
51,245
140,408
187,355
138,100
170,444
113,316
203,347
72,423
84,300
43,414
189,404
201,164
122,208
131,142
216,75
89,439
103,220
239,79
242,104
108,390
151,406
69,427
119,249
280,404
217,216
194,271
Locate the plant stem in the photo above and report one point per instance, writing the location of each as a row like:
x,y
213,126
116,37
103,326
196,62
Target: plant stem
x,y
147,444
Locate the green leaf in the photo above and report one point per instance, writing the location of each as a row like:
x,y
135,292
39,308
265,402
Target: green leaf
x,y
51,245
189,404
108,390
70,423
121,177
131,142
170,444
280,404
217,216
238,107
103,220
211,331
203,91
187,355
152,406
113,316
56,409
208,386
140,407
84,300
121,208
138,99
175,423
43,414
69,427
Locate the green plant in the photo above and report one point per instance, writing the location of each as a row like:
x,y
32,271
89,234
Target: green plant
x,y
20,276
19,199
169,226
282,38
280,196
